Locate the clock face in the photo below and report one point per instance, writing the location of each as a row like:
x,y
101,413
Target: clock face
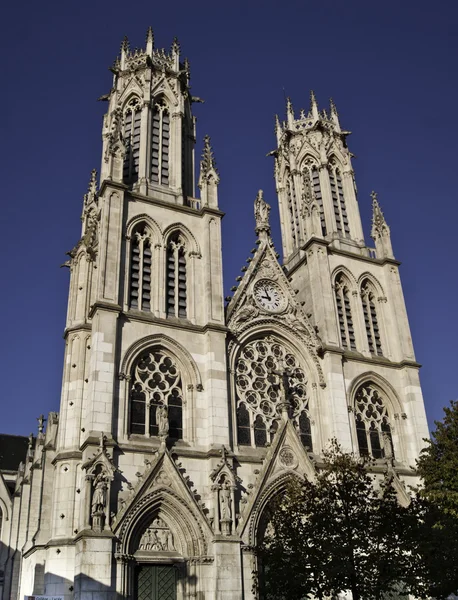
x,y
269,295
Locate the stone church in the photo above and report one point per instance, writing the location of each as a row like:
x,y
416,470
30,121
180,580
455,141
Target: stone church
x,y
183,413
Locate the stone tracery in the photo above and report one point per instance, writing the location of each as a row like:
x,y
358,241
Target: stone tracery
x,y
372,420
261,392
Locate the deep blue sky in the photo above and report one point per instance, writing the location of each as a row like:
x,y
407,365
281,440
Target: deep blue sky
x,y
391,68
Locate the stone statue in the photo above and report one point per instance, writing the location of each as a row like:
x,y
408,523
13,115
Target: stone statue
x,y
387,445
162,420
225,498
261,211
99,497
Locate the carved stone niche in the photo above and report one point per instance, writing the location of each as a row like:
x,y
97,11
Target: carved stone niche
x,y
157,537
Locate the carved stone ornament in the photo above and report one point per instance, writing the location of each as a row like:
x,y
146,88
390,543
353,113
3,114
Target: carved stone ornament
x,y
288,458
261,213
157,538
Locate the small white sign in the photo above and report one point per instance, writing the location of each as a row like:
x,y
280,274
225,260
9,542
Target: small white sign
x,y
44,598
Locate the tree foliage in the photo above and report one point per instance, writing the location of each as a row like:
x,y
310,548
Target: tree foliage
x,y
438,463
345,531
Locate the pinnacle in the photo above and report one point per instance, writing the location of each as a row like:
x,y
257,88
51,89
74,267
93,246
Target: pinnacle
x,y
208,160
125,44
149,34
175,45
333,107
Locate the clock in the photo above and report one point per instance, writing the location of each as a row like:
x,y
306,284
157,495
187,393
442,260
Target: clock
x,y
269,295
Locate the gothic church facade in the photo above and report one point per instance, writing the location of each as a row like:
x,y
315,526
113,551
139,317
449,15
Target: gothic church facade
x,y
182,417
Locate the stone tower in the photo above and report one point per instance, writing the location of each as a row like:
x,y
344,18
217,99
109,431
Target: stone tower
x,y
180,418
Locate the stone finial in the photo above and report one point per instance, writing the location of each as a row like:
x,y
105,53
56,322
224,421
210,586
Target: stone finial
x,y
379,225
207,162
334,114
125,45
278,130
380,232
261,213
175,46
289,112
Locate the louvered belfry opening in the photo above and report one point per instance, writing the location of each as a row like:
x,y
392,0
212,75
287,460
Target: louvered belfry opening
x,y
315,177
371,319
132,122
347,331
338,202
176,299
140,269
160,143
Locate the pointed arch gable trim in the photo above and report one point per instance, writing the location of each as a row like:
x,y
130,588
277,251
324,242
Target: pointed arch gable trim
x,y
132,90
307,151
162,90
183,357
373,280
134,221
187,234
184,524
348,274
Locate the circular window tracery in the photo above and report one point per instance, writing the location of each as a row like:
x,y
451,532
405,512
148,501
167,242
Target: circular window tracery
x,y
266,372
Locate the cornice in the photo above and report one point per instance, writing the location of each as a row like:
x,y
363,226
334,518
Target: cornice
x,y
349,356
109,306
73,328
131,315
176,207
68,455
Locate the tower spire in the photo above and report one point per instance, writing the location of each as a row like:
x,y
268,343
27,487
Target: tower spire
x,y
313,105
334,114
380,232
289,112
149,41
124,51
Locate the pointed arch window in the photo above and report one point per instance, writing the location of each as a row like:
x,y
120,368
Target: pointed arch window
x,y
371,318
156,383
176,299
347,331
373,428
160,143
140,269
338,201
261,393
132,123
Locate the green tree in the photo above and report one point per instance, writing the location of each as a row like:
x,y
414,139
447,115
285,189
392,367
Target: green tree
x,y
342,531
438,463
438,469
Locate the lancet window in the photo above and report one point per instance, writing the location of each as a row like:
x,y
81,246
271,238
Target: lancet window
x,y
156,383
373,429
347,331
311,177
292,210
132,121
370,318
269,379
140,269
338,201
176,277
160,143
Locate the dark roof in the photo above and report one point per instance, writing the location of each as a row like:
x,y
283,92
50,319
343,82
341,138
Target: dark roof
x,y
13,450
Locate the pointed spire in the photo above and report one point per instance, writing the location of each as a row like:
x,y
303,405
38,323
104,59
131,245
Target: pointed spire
x,y
124,52
289,112
313,105
149,41
209,177
261,214
175,46
380,232
334,114
278,129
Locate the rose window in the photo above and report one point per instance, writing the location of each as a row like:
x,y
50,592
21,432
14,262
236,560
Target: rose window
x,y
373,428
156,381
266,376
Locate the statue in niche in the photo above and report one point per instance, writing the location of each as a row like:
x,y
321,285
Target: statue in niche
x,y
162,420
225,500
99,496
157,538
387,445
